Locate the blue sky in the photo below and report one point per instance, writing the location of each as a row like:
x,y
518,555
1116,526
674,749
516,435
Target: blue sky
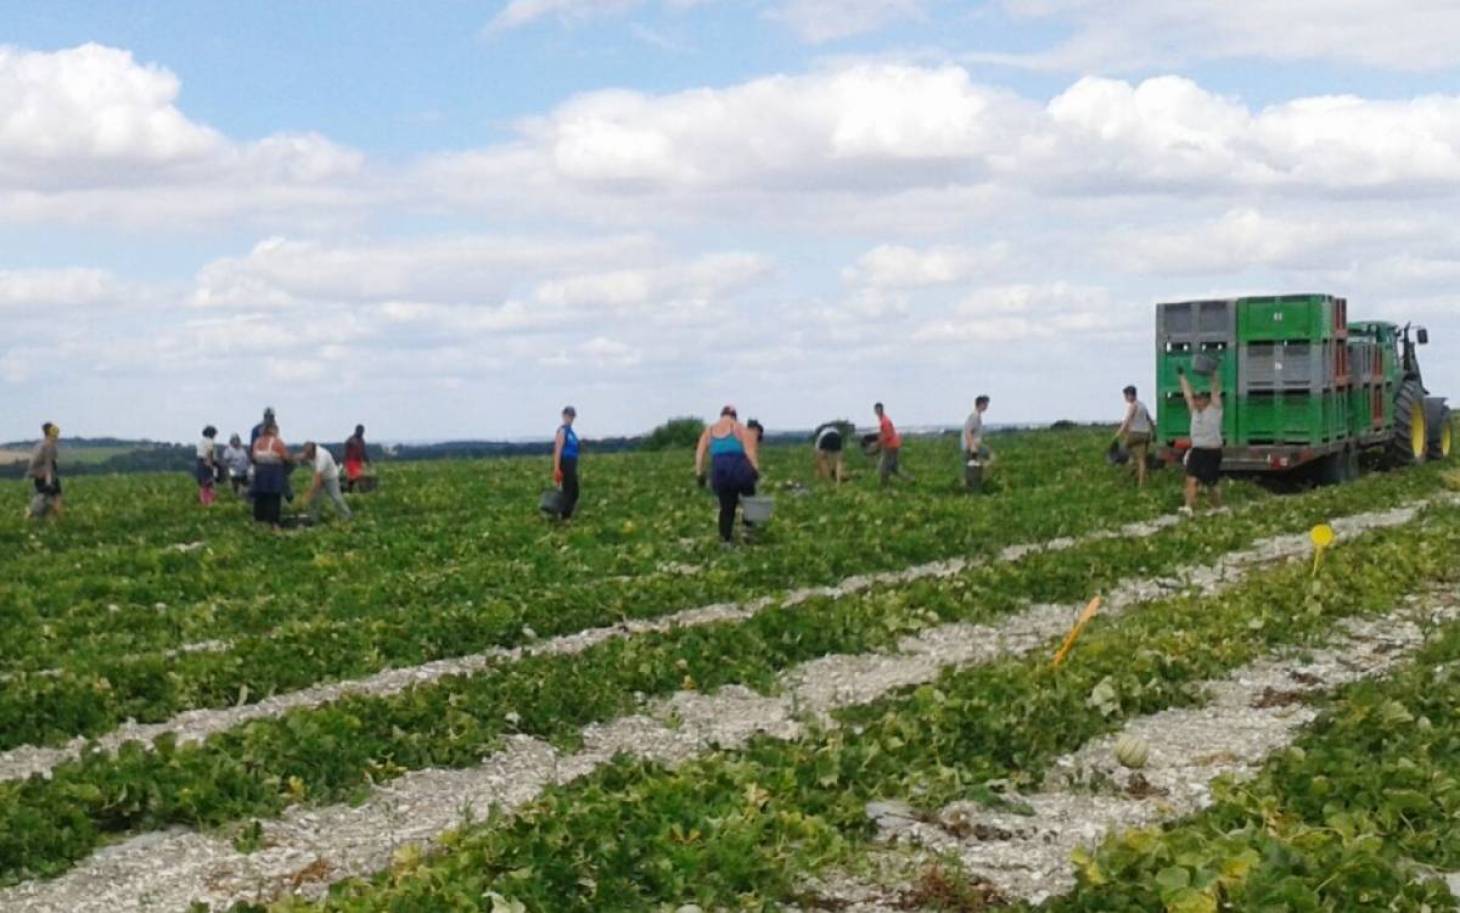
x,y
447,219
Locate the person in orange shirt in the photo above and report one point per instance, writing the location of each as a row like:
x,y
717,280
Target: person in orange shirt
x,y
889,443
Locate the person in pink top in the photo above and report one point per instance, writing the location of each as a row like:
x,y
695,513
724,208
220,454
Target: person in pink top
x,y
889,443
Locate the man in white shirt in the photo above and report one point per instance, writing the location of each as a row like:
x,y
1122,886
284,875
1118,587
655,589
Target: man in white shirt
x,y
974,450
1135,433
326,478
1204,459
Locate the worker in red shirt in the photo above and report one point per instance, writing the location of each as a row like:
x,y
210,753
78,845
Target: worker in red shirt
x,y
356,459
889,442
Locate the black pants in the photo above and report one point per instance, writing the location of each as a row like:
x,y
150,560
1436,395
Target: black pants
x,y
569,465
266,508
732,477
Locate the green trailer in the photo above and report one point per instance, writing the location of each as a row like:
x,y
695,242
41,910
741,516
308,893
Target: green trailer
x,y
1303,389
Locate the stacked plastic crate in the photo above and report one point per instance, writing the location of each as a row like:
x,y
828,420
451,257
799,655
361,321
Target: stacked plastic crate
x,y
1293,370
1186,330
1371,351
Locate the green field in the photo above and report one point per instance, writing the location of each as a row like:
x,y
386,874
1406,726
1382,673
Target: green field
x,y
452,704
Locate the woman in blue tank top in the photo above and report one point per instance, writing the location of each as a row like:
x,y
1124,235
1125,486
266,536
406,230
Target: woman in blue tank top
x,y
734,465
565,462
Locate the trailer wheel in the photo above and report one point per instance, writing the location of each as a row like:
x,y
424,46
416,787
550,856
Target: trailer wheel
x,y
1351,470
1410,440
1441,429
1330,470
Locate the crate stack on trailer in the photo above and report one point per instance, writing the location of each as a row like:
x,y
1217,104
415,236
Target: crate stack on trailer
x,y
1293,369
1186,330
1371,399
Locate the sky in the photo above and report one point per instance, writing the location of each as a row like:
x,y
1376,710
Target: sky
x,y
449,219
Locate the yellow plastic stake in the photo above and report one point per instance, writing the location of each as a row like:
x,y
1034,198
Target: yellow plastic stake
x,y
1322,536
1074,635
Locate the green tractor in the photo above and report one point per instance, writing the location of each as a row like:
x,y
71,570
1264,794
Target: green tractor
x,y
1304,390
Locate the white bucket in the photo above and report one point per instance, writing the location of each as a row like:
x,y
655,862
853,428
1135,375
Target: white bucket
x,y
758,509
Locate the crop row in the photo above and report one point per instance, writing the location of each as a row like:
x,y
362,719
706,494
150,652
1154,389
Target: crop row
x,y
743,829
95,694
1352,817
495,555
53,709
337,751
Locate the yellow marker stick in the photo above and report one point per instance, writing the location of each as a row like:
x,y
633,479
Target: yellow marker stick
x,y
1075,632
1322,537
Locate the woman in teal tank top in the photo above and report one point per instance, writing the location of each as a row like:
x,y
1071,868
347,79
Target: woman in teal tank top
x,y
734,466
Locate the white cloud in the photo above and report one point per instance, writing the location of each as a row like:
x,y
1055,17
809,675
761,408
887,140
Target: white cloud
x,y
1026,312
1136,34
89,132
38,291
1244,238
899,266
819,21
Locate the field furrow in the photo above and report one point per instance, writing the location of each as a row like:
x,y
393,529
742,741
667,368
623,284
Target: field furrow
x,y
311,846
1031,854
745,826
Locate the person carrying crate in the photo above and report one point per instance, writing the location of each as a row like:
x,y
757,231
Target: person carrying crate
x,y
1204,458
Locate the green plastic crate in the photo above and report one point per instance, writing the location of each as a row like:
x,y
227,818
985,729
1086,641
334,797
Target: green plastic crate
x,y
1173,419
1285,318
1292,418
1168,381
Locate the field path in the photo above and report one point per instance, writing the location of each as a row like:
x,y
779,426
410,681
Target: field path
x,y
1252,713
311,847
197,725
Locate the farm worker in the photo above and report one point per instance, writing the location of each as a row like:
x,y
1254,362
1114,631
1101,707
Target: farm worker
x,y
44,473
565,462
827,443
236,460
258,430
207,466
890,444
973,445
356,459
1135,433
1204,459
734,466
270,456
326,479
757,429
288,490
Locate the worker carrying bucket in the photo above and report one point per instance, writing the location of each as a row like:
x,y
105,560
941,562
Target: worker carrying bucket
x,y
976,456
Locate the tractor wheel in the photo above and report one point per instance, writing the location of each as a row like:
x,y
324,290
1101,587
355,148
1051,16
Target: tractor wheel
x,y
1410,440
1441,430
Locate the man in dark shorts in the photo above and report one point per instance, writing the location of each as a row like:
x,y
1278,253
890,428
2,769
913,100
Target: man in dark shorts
x,y
1204,459
827,443
45,474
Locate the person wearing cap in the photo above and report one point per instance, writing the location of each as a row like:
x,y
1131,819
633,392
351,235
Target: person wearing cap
x,y
1135,433
236,460
44,473
1204,458
206,469
734,454
326,479
356,457
270,457
889,444
827,443
565,463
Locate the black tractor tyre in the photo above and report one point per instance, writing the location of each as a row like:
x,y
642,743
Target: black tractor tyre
x,y
1409,439
1440,428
